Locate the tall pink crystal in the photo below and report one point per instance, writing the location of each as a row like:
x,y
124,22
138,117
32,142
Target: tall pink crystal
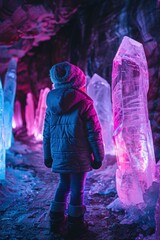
x,y
132,131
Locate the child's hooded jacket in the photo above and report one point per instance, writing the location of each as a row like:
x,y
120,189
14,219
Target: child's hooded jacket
x,y
72,134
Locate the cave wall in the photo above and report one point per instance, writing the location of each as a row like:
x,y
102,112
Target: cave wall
x,y
86,33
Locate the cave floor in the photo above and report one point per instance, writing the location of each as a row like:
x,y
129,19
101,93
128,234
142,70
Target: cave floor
x,y
29,187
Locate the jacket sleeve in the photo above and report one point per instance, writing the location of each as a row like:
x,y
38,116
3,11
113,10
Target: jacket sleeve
x,y
46,141
94,133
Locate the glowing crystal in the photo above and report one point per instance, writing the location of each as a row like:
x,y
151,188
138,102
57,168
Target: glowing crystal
x,y
99,90
2,143
157,217
9,96
29,114
132,132
40,114
17,117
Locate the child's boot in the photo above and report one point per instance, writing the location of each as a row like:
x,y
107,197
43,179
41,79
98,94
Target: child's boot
x,y
57,217
76,222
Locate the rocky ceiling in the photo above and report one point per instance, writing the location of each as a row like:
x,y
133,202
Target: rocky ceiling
x,y
87,33
25,24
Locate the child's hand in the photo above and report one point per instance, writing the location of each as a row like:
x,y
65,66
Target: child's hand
x,y
96,164
48,162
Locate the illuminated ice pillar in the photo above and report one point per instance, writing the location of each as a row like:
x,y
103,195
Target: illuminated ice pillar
x,y
99,90
40,114
132,131
9,96
2,143
29,114
17,117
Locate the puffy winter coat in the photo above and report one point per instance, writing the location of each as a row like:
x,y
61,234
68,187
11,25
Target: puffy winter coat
x,y
72,134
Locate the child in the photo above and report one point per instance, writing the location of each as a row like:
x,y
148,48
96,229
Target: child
x,y
72,143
